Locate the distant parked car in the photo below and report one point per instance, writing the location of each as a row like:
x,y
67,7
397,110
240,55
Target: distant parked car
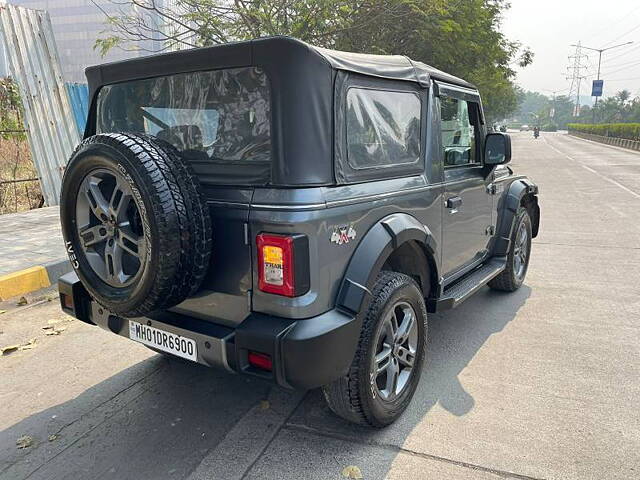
x,y
524,128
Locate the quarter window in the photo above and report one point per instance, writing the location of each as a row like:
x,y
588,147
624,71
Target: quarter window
x,y
383,128
458,132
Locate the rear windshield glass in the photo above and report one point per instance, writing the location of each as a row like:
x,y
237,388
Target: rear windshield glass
x,y
218,120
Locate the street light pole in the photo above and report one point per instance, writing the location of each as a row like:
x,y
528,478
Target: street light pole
x,y
600,52
595,104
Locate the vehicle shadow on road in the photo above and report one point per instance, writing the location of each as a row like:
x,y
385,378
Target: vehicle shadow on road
x,y
454,338
156,419
160,418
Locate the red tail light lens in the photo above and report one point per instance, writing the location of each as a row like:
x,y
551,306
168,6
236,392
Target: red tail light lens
x,y
275,264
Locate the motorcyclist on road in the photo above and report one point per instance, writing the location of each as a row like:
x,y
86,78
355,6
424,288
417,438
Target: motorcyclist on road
x,y
536,132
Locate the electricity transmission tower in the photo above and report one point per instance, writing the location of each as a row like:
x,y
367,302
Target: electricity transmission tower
x,y
575,73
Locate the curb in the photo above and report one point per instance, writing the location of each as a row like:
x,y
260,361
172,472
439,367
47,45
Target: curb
x,y
32,279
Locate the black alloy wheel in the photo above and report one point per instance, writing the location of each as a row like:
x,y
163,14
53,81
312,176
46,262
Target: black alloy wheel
x,y
512,277
110,228
396,348
386,368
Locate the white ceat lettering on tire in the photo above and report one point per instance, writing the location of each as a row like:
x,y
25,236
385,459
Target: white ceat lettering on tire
x,y
72,255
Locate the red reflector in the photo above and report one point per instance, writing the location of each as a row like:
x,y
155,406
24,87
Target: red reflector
x,y
67,301
260,360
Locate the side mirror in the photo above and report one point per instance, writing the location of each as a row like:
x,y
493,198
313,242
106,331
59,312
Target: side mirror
x,y
497,149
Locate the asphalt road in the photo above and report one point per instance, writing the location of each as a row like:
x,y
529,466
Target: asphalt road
x,y
542,383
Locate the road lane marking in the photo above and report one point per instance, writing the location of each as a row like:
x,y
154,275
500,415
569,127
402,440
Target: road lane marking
x,y
610,180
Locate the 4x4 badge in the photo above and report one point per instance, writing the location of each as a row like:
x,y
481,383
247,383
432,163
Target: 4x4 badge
x,y
343,234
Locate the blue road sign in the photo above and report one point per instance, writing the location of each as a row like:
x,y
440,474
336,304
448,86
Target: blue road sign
x,y
596,90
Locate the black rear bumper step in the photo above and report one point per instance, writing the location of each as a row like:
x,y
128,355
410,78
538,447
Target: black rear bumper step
x,y
306,353
458,292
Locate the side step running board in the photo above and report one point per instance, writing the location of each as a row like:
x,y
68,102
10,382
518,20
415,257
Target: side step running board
x,y
458,292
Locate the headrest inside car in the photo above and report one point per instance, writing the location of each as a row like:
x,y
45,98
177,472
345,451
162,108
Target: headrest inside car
x,y
183,137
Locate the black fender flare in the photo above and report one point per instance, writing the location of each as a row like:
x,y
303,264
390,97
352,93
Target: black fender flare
x,y
511,201
372,252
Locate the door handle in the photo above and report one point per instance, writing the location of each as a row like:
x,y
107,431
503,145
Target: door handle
x,y
454,203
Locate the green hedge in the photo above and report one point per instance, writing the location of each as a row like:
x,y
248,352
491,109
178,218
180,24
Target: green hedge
x,y
630,131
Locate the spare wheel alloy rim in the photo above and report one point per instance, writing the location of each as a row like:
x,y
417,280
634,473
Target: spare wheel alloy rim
x,y
110,227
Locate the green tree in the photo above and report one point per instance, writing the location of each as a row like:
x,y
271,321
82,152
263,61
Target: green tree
x,y
538,108
564,108
532,104
462,37
196,23
10,107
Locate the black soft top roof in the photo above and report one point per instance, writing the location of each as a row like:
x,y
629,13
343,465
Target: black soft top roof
x,y
302,82
396,67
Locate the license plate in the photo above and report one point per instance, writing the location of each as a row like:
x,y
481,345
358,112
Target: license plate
x,y
167,342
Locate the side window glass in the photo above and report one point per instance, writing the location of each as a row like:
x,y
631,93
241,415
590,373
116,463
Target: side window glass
x,y
458,132
383,128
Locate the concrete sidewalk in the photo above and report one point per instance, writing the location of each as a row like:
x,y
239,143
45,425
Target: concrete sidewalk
x,y
32,253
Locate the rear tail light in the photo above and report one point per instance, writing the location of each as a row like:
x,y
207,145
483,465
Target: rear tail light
x,y
283,264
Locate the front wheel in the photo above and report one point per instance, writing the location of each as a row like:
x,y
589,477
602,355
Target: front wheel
x,y
386,368
513,275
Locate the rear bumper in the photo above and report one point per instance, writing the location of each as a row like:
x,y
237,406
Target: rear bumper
x,y
305,353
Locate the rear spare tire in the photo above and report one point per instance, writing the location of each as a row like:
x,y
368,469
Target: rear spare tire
x,y
136,228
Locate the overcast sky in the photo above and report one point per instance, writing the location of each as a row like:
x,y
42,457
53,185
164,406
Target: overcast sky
x,y
549,27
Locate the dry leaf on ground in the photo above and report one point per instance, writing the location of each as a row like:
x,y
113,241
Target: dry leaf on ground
x,y
9,349
29,345
20,346
54,330
352,472
24,441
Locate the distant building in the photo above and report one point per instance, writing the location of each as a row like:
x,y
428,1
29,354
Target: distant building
x,y
76,26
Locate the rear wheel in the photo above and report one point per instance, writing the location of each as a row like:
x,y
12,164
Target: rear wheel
x,y
386,368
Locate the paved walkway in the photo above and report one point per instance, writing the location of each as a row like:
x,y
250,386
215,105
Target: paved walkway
x,y
29,239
